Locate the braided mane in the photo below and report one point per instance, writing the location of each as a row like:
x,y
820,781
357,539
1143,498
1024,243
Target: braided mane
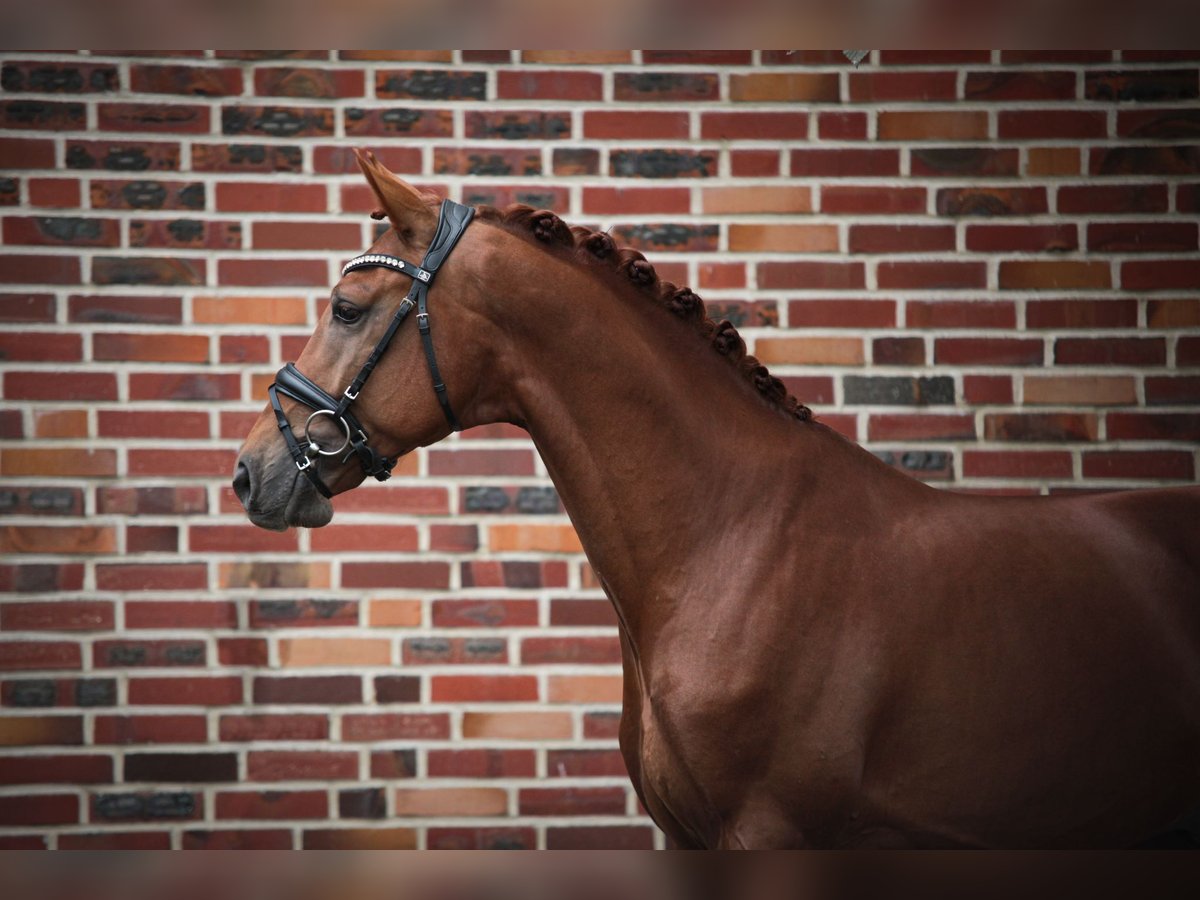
x,y
589,246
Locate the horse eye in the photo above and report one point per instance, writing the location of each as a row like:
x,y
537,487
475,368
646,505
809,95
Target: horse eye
x,y
344,312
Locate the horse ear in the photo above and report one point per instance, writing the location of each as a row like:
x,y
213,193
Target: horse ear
x,y
409,211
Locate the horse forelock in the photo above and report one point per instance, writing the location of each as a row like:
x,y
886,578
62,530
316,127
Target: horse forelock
x,y
584,245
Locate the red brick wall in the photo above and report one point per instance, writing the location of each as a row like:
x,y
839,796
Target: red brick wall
x,y
984,265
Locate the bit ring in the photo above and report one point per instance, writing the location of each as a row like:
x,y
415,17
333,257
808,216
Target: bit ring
x,y
314,444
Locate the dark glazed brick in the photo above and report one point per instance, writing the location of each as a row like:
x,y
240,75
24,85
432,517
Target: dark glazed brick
x,y
42,114
147,194
247,158
484,498
667,237
430,84
896,391
486,161
197,80
398,121
668,86
991,201
1142,86
276,121
96,692
122,156
31,693
58,78
145,807
9,191
362,803
519,126
181,767
1153,160
538,500
397,689
662,164
924,464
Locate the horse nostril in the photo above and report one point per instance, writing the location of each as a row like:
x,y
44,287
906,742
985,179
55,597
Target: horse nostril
x,y
241,484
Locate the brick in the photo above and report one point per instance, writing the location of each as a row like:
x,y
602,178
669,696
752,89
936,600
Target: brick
x,y
362,803
756,199
784,87
988,389
153,270
1171,391
1037,125
842,313
261,196
1172,313
897,391
268,574
40,578
1138,464
34,655
43,115
600,837
58,78
576,57
917,427
1053,161
872,201
424,55
273,727
1158,123
1081,314
1005,86
845,163
56,539
481,839
146,806
889,351
154,117
59,192
116,840
39,269
450,802
842,126
289,81
42,347
39,809
1110,351
931,275
1022,238
1113,198
601,725
1016,464
449,651
116,308
27,307
892,85
54,462
754,126
426,575
479,688
1026,201
754,163
660,163
181,767
338,160
960,314
151,500
630,125
518,125
28,731
482,763
277,121
811,275
988,352
157,347
273,272
430,84
583,801
585,764
1162,159
526,84
1138,426
1036,275
61,230
1142,237
958,125
570,651
395,613
933,57
184,233
62,615
395,726
1079,390
584,688
312,652
517,726
665,86
152,423
1041,427
247,158
452,613
360,839
189,691
811,351
301,765
394,764
314,689
206,81
895,239
155,654
697,57
271,805
569,161
123,155
1160,275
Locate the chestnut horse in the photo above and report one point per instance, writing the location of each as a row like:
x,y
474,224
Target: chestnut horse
x,y
818,650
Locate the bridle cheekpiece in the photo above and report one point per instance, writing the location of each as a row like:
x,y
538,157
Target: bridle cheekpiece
x,y
453,220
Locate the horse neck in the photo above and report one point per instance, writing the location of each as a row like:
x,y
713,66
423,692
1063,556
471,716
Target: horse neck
x,y
666,458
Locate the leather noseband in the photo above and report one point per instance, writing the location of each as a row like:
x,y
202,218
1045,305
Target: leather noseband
x,y
291,382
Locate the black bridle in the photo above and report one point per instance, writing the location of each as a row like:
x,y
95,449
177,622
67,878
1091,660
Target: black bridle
x,y
289,381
